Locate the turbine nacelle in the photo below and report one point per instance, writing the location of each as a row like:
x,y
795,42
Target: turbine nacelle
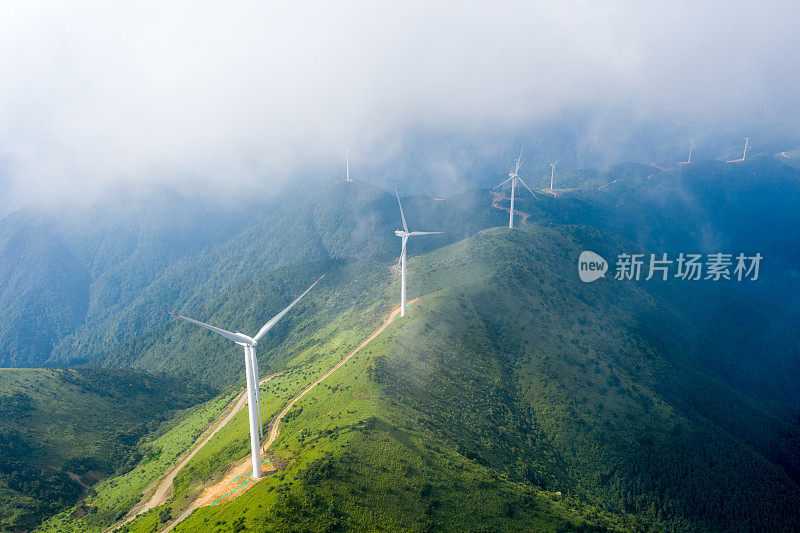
x,y
401,233
244,340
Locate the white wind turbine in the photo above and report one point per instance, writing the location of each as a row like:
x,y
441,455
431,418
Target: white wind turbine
x,y
251,370
405,234
553,172
513,177
348,178
744,154
691,147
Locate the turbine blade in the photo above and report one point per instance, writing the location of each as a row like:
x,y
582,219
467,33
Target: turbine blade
x,y
268,326
413,233
526,186
405,227
225,333
503,182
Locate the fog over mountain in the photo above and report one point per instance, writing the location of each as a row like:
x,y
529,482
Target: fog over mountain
x,y
260,94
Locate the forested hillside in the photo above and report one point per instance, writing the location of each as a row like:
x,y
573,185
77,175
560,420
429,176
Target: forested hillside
x,y
62,430
705,207
61,270
44,290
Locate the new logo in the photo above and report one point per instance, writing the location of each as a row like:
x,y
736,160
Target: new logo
x,y
591,266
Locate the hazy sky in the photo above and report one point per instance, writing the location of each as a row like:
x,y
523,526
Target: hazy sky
x,y
241,92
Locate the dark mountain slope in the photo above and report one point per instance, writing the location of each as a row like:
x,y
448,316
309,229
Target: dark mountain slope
x,y
44,291
641,426
63,428
703,207
61,270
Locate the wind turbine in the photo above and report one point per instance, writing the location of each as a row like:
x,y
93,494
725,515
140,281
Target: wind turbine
x,y
553,172
348,166
513,177
251,371
691,145
744,154
405,234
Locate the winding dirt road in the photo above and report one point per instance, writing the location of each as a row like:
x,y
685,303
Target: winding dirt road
x,y
275,428
498,197
161,490
211,494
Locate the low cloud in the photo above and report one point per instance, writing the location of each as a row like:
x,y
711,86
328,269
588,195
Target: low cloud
x,y
243,94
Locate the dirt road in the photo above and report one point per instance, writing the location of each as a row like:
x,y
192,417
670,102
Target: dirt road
x,y
161,490
498,197
275,428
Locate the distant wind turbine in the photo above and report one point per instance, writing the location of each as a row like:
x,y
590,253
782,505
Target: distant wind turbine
x,y
744,153
513,177
553,172
405,234
691,146
767,118
251,370
348,166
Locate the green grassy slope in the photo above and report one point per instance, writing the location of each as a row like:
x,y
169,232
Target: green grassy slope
x,y
353,300
323,329
112,498
358,461
511,381
61,428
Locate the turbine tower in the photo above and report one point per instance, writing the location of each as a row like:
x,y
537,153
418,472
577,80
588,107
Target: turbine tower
x,y
553,173
744,154
405,234
348,178
251,372
691,145
513,177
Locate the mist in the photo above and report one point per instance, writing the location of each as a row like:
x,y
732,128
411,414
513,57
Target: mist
x,y
231,97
